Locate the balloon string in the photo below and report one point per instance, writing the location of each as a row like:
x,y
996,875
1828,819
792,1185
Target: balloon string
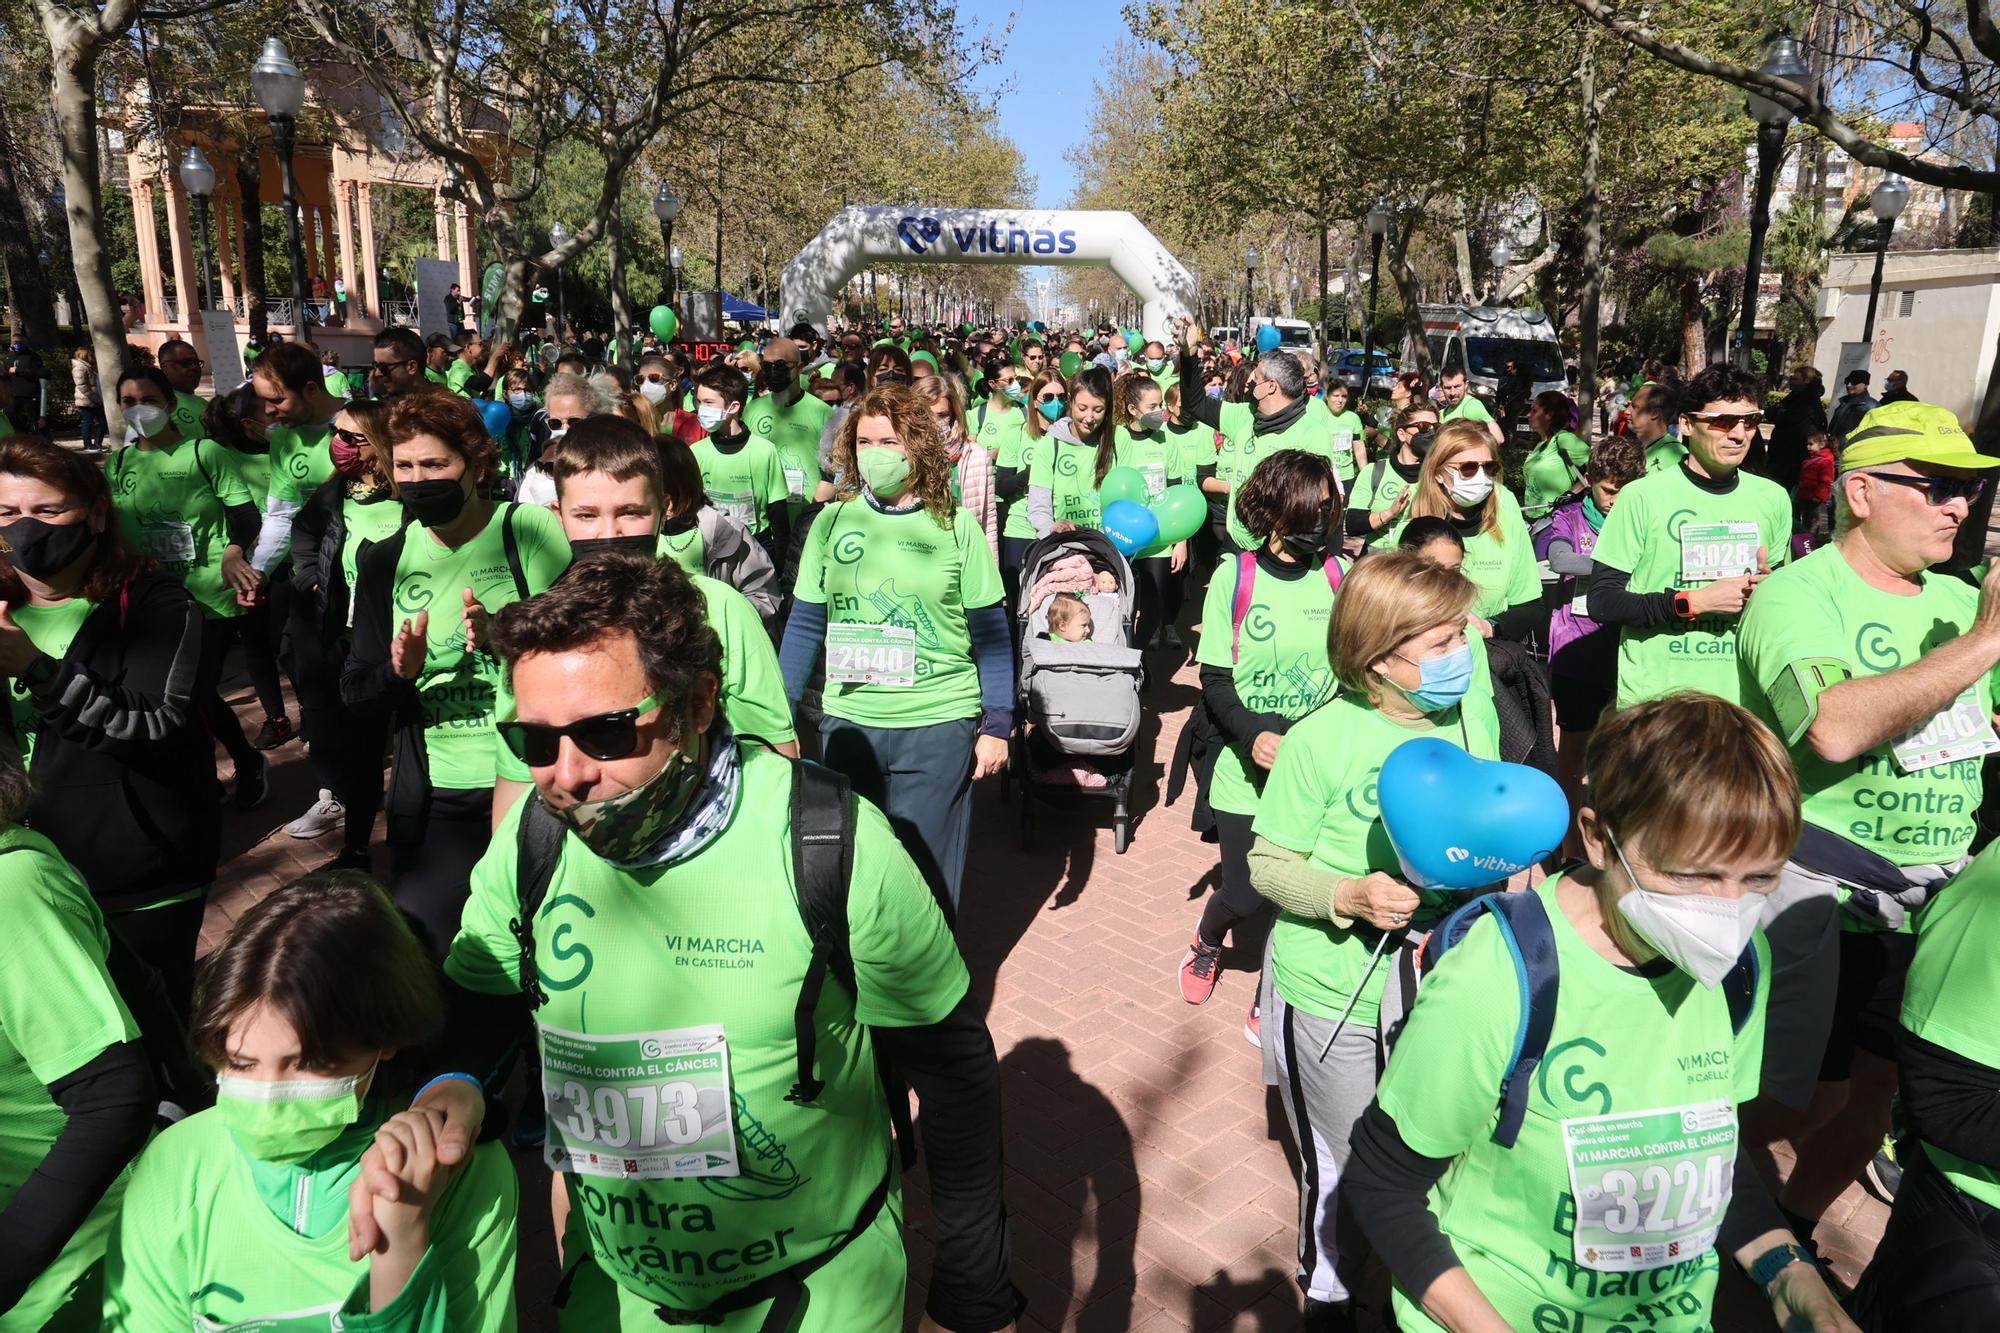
x,y
1360,986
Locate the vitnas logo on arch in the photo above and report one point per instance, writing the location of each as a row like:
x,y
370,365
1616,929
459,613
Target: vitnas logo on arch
x,y
923,234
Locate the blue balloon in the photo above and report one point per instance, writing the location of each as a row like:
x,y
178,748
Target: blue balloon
x,y
1268,338
1458,822
497,416
1130,526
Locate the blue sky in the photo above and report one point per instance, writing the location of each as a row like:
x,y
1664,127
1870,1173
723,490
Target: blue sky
x,y
1053,55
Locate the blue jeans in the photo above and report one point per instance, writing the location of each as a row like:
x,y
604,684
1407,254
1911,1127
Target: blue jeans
x,y
921,778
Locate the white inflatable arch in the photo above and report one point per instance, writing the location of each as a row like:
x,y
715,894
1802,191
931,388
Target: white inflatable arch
x,y
860,235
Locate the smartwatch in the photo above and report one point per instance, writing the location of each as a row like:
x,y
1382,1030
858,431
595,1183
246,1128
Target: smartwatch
x,y
1765,1269
1683,606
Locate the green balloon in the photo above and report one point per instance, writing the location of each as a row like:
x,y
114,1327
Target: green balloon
x,y
1071,363
1181,511
1122,483
664,323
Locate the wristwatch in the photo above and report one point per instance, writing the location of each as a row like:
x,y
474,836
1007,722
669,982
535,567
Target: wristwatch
x,y
1765,1269
1683,606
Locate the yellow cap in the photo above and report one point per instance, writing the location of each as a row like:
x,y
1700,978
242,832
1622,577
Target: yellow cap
x,y
1912,433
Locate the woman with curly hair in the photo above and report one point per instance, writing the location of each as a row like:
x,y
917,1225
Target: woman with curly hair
x,y
899,593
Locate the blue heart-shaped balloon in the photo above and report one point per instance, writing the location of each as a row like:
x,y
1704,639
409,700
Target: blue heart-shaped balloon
x,y
497,416
1458,822
1130,526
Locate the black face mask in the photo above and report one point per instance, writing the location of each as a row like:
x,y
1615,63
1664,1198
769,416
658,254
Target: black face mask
x,y
434,503
891,377
41,549
1305,545
645,544
778,376
1421,442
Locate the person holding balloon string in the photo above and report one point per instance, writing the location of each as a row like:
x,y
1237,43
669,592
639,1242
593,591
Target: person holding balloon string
x,y
1263,658
1458,484
1613,1174
1404,667
1141,444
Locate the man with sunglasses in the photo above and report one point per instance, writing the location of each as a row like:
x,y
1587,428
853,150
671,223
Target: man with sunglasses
x,y
399,362
671,914
181,364
1881,676
1684,548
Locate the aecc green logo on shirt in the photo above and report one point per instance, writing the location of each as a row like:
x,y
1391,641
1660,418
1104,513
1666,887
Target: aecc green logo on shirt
x,y
1875,647
849,547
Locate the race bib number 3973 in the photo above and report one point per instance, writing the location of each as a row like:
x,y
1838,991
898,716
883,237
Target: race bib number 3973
x,y
639,1105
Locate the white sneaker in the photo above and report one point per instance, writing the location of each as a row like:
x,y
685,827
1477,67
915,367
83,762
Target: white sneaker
x,y
324,816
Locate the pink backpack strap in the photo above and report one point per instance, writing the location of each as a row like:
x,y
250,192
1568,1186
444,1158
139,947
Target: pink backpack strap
x,y
1246,579
1333,574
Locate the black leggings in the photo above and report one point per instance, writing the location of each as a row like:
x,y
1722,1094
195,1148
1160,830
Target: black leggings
x,y
217,634
431,879
1938,1266
165,939
1233,901
1159,596
346,749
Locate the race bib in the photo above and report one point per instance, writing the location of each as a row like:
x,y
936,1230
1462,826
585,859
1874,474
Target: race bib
x,y
315,1319
1711,551
1156,480
739,505
1962,731
1342,442
168,543
1651,1187
639,1105
795,482
871,654
1579,605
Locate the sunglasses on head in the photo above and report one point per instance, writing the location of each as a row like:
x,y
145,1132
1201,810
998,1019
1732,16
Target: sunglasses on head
x,y
604,736
1728,421
1470,470
1938,491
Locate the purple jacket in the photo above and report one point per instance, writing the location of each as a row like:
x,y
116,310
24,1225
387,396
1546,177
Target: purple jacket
x,y
1579,647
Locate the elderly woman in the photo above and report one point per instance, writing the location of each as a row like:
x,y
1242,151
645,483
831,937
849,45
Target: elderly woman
x,y
1398,650
566,400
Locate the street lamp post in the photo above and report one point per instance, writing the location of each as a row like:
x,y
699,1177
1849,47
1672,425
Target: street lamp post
x,y
1501,255
281,90
1249,270
1886,203
666,208
1378,227
198,179
1781,60
558,238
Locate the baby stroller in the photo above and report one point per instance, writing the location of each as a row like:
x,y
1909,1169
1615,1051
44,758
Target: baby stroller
x,y
1077,704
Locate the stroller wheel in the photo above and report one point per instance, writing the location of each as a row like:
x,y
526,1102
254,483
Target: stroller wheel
x,y
1121,833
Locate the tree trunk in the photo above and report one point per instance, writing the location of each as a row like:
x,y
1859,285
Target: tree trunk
x,y
1406,286
27,277
250,215
73,60
621,309
1593,236
1694,334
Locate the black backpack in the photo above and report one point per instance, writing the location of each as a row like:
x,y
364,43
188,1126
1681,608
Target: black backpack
x,y
822,868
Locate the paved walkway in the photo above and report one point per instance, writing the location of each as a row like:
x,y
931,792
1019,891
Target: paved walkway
x,y
1147,1168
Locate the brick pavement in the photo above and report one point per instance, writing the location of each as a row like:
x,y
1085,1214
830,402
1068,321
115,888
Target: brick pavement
x,y
1147,1168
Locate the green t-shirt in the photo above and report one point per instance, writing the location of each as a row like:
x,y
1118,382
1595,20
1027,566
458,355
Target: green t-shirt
x,y
1664,454
201,1242
1243,449
753,689
1468,408
1347,432
1551,468
794,429
1280,664
365,524
1320,802
1068,472
1198,446
172,503
1623,1043
456,374
1155,456
1501,565
187,415
1377,487
300,461
746,483
1643,537
462,693
51,629
1029,447
1953,991
717,940
255,469
1813,624
59,1010
688,549
1001,430
913,582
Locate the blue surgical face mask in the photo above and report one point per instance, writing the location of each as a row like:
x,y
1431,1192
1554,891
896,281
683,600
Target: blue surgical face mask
x,y
1213,391
710,417
1443,681
520,401
1052,409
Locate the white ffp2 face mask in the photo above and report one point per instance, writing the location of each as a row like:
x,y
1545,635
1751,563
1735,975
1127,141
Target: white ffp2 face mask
x,y
1469,491
1701,935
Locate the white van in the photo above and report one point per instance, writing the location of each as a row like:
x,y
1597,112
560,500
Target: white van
x,y
1481,340
1293,334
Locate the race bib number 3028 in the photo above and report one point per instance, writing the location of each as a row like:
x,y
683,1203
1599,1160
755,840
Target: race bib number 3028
x,y
1711,551
639,1105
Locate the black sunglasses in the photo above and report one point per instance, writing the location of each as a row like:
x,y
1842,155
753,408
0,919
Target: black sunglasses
x,y
604,736
1939,491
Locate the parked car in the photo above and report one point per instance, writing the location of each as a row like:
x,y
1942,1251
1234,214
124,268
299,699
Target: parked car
x,y
1381,372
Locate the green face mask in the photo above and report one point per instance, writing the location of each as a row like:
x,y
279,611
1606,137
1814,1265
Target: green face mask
x,y
291,1119
884,471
